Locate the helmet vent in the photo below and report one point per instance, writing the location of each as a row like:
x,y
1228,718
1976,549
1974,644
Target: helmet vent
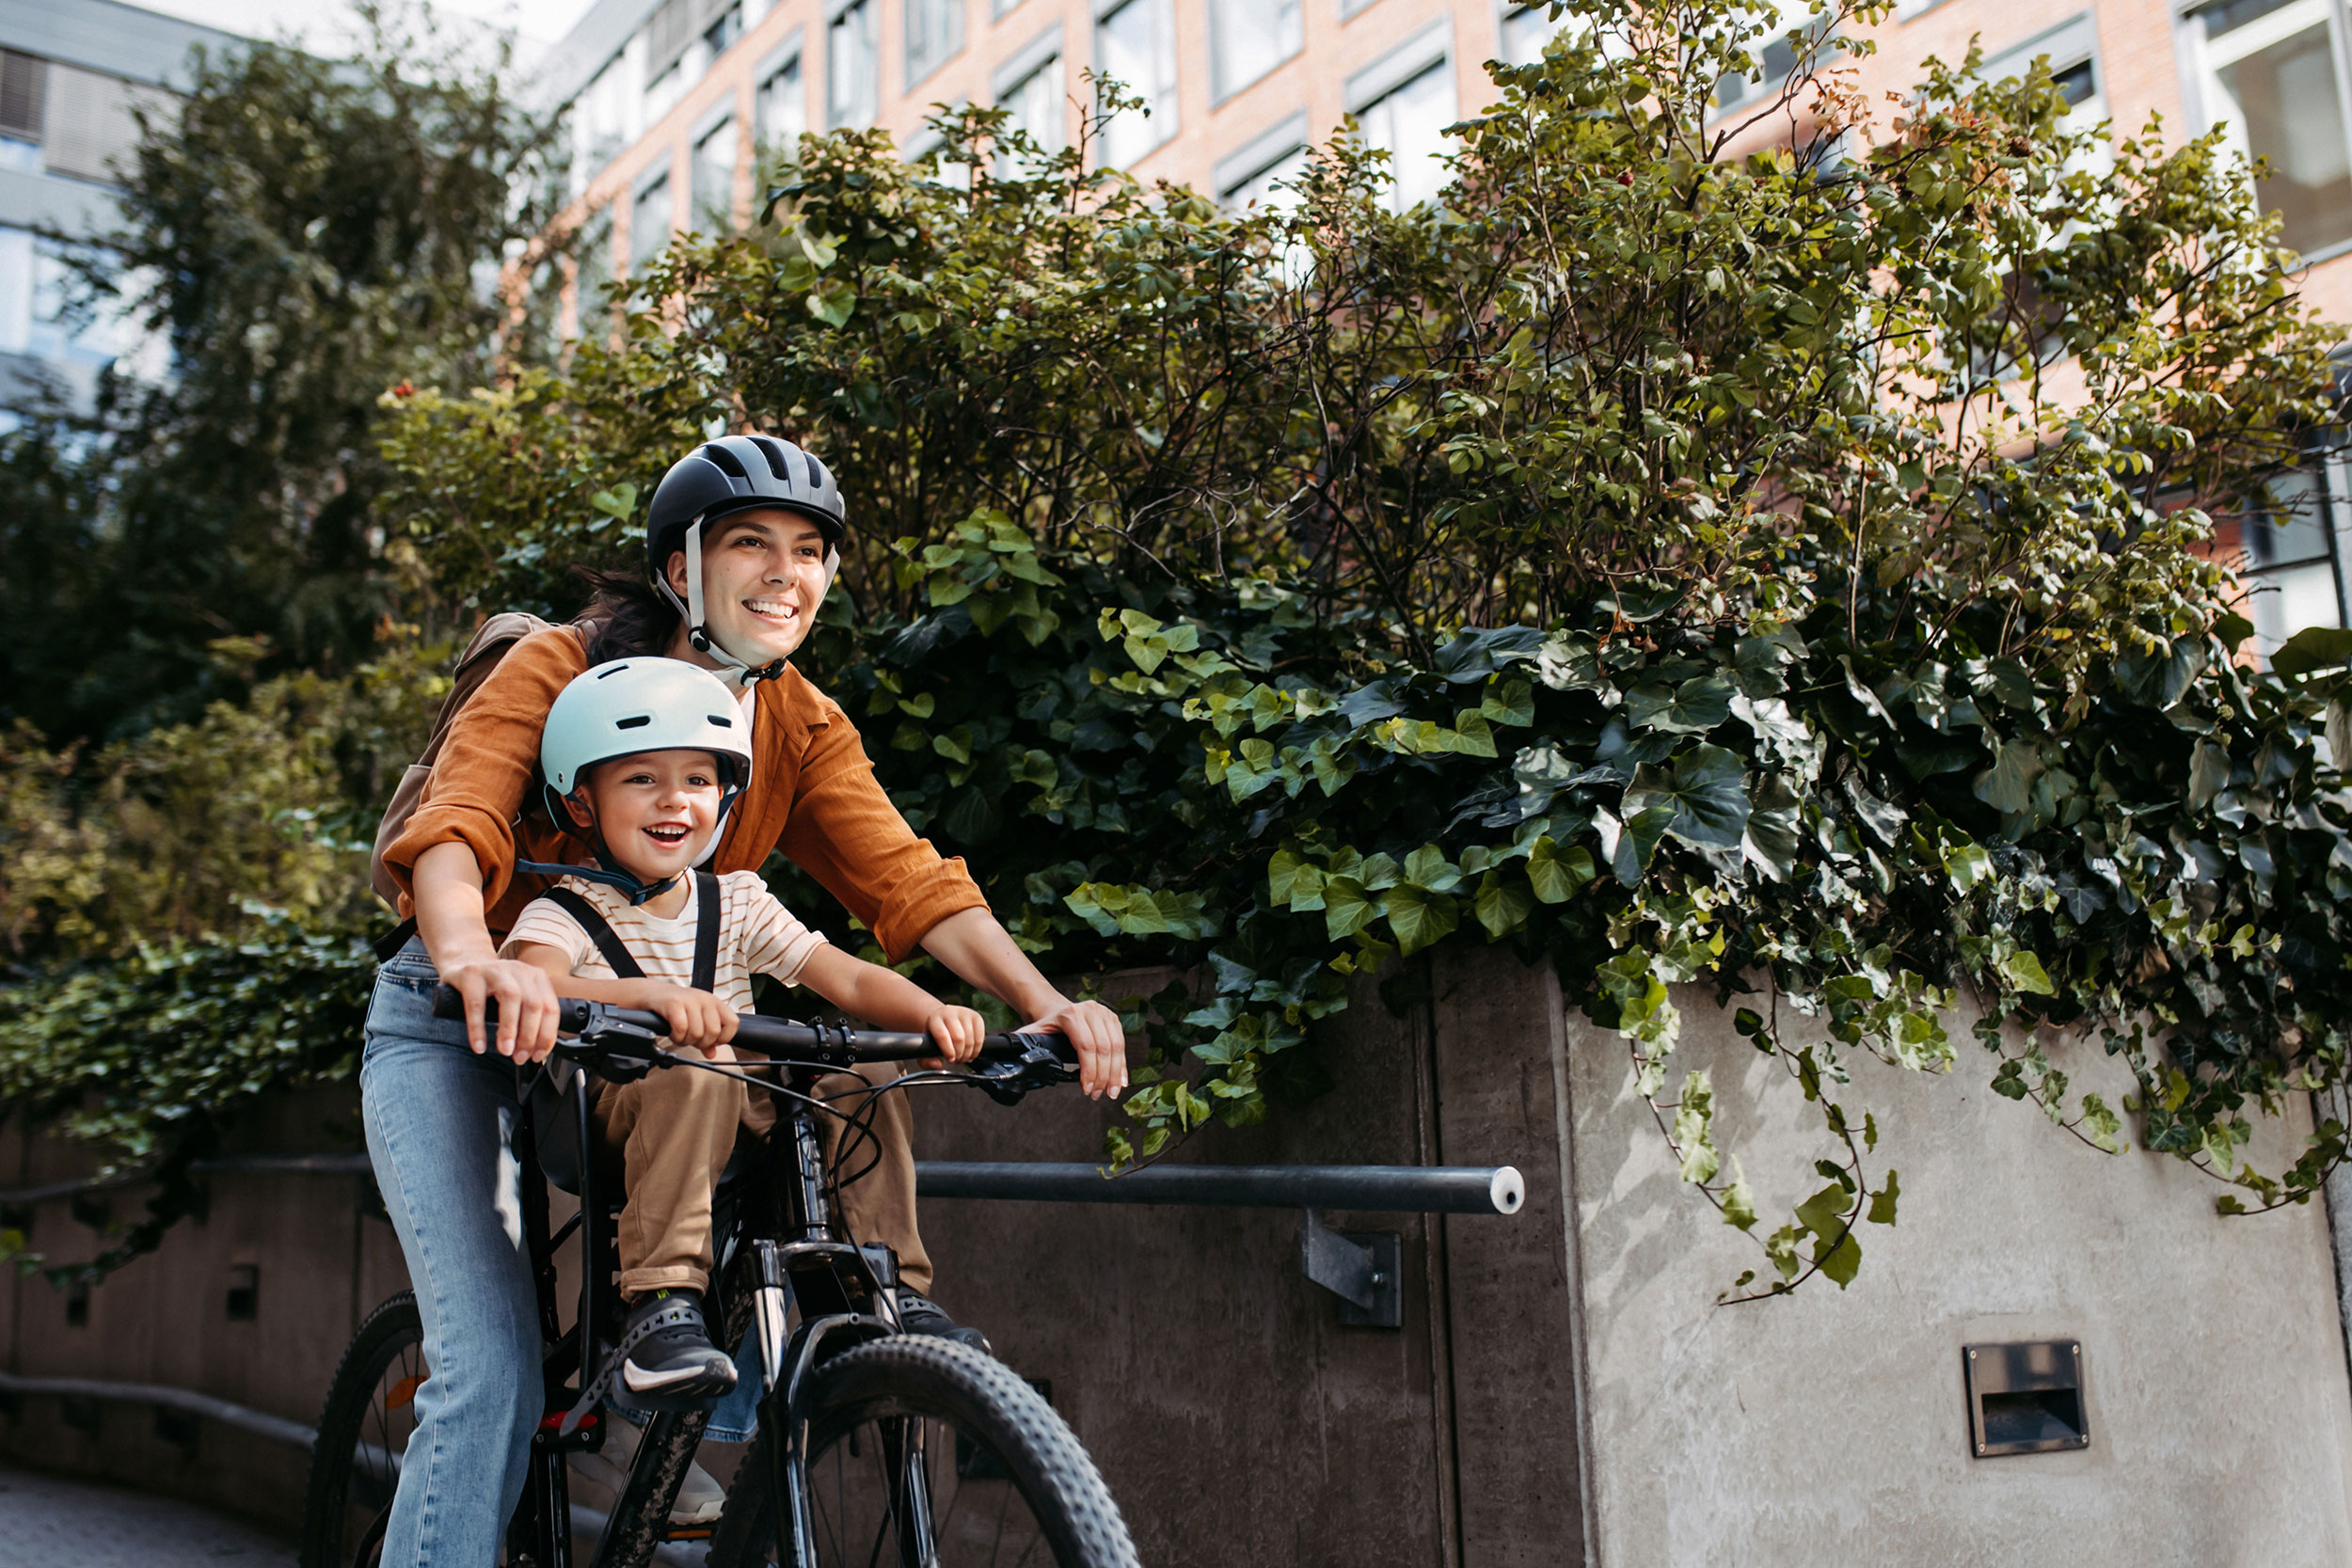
x,y
637,721
816,470
726,461
772,450
723,722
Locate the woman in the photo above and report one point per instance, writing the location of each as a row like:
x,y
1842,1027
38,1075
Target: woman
x,y
742,541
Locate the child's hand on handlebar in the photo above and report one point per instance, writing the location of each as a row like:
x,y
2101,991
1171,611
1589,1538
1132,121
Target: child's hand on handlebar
x,y
959,1032
697,1020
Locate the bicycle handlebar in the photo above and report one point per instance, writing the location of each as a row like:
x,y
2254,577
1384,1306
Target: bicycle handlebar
x,y
779,1038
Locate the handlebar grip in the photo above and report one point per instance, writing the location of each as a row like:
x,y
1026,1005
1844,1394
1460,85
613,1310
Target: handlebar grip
x,y
775,1036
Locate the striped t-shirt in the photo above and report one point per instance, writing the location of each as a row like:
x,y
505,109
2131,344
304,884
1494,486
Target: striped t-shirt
x,y
757,935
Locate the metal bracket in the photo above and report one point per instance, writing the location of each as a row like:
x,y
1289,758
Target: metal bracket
x,y
1360,1267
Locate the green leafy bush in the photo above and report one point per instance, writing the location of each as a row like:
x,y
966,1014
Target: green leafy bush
x,y
1783,567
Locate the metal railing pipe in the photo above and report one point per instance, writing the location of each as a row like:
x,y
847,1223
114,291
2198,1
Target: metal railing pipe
x,y
1378,1189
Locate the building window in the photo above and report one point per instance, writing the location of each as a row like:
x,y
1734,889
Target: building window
x,y
1406,111
23,83
1273,187
1135,46
1789,31
714,177
781,106
934,33
1248,39
16,290
722,34
852,68
592,267
1034,107
2288,559
89,121
2269,75
650,222
1525,31
664,91
999,9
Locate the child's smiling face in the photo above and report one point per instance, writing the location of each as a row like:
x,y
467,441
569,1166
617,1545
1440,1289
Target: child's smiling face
x,y
657,810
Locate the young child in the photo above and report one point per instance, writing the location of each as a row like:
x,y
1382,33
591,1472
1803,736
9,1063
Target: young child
x,y
642,758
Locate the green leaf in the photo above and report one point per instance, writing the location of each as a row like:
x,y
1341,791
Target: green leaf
x,y
2313,648
2208,773
1694,1118
1347,909
2022,971
1882,1201
1707,793
1693,708
1508,700
1824,1212
1418,918
1501,904
1427,868
1841,1261
1739,1202
1555,874
2007,786
832,301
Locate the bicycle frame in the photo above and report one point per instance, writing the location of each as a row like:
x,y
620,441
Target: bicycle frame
x,y
797,1259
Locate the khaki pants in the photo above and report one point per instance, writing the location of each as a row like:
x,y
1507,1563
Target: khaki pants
x,y
674,1130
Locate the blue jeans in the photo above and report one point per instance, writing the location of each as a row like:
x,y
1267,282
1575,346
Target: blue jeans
x,y
440,1125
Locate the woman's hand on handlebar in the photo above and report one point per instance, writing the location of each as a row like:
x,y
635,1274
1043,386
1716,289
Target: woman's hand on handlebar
x,y
526,1001
697,1020
1094,1031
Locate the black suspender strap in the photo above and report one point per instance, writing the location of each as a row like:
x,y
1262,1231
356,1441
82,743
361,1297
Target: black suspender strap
x,y
609,943
600,931
706,931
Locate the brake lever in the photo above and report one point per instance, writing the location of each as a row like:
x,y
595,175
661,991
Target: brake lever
x,y
611,1048
1036,1068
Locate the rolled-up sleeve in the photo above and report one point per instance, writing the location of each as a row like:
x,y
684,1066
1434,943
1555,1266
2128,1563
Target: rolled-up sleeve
x,y
487,761
845,833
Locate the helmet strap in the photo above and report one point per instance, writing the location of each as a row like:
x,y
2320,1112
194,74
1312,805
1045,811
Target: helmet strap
x,y
606,870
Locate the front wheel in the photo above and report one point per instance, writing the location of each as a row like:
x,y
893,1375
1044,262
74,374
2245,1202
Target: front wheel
x,y
924,1451
363,1433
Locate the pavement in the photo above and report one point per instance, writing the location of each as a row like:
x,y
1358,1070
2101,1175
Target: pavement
x,y
46,1523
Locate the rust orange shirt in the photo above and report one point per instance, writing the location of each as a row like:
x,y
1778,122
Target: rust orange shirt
x,y
813,794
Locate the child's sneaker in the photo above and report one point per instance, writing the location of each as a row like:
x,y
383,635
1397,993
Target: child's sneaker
x,y
670,1352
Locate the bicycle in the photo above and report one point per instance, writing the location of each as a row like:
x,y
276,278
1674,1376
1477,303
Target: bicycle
x,y
875,1447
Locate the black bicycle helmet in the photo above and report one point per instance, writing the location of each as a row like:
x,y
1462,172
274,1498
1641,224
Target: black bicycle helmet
x,y
735,473
739,473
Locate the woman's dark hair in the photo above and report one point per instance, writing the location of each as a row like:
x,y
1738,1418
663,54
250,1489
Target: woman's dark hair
x,y
631,618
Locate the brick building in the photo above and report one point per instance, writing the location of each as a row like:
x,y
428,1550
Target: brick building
x,y
670,99
71,74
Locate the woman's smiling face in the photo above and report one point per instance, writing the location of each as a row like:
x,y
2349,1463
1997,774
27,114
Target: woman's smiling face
x,y
763,578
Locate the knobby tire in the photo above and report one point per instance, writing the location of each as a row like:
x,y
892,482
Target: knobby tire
x,y
394,1327
917,1375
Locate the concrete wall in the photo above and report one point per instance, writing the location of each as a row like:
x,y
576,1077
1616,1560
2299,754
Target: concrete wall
x,y
1830,1428
1560,1392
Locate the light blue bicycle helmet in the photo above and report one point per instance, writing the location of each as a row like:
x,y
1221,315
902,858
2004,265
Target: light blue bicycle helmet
x,y
625,707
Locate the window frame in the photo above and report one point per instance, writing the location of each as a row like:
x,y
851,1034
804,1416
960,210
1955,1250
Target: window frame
x,y
718,118
790,55
1432,48
2199,79
654,176
839,112
1220,89
918,71
1020,68
1165,120
1260,152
